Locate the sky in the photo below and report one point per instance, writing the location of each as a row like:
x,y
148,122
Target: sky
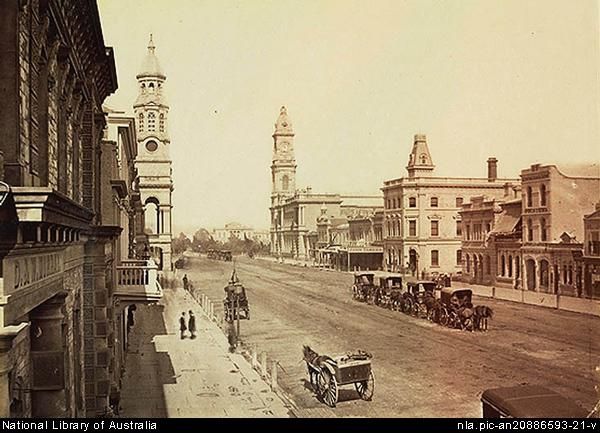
x,y
513,79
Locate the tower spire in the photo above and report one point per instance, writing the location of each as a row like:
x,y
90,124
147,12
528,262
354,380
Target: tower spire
x,y
151,45
419,161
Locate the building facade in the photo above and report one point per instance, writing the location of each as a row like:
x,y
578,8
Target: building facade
x,y
591,254
239,231
153,162
422,228
294,212
59,228
554,200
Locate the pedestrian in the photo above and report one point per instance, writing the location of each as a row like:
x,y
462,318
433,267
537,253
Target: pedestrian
x,y
185,282
192,325
182,326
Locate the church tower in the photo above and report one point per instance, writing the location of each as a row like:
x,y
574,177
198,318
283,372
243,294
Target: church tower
x,y
283,168
153,160
420,163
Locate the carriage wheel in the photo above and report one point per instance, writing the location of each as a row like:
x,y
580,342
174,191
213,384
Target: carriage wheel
x,y
443,317
328,388
366,387
407,306
467,324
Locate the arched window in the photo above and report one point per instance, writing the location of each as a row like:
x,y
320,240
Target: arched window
x,y
141,122
394,203
543,234
543,195
285,182
458,257
412,202
529,230
510,266
151,85
529,197
423,159
161,122
502,265
151,121
434,202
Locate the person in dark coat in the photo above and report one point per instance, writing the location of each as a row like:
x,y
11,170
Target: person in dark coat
x,y
192,324
185,282
182,325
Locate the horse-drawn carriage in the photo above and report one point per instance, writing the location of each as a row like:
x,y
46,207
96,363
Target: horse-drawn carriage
x,y
390,292
327,374
457,308
419,295
363,287
235,303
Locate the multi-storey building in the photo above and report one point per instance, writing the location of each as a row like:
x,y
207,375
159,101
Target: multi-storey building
x,y
294,212
422,228
554,199
153,160
60,223
591,254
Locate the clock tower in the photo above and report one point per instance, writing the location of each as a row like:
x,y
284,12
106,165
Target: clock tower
x,y
153,161
283,168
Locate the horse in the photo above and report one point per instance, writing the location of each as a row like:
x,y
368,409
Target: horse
x,y
433,306
481,316
312,358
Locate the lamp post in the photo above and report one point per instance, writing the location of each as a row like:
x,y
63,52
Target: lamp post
x,y
238,293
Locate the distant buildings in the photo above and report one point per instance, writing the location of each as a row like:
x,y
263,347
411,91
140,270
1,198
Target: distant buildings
x,y
294,212
239,231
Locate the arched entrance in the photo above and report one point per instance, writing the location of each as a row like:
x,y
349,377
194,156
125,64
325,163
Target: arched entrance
x,y
476,273
530,271
152,216
544,274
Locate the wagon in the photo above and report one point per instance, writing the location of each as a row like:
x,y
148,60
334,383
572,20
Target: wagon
x,y
528,401
363,285
391,292
235,303
457,308
328,374
417,291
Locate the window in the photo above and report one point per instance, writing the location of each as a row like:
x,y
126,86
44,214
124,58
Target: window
x,y
394,203
285,182
435,228
543,234
161,122
529,230
543,195
435,258
510,266
398,226
412,228
151,121
529,197
434,202
141,122
458,257
423,159
459,201
387,203
502,265
412,202
458,228
468,232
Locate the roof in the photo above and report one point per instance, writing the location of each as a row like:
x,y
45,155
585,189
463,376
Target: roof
x,y
452,290
150,65
373,201
580,169
532,401
508,220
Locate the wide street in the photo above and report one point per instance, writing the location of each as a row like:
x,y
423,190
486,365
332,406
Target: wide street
x,y
421,369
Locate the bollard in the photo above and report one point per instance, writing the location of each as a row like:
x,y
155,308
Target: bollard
x,y
203,302
274,376
263,364
212,309
254,358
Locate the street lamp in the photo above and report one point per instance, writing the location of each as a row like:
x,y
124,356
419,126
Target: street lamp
x,y
238,290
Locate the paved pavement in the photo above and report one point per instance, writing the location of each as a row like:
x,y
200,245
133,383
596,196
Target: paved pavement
x,y
169,377
421,369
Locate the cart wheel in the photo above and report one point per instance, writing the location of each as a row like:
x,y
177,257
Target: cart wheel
x,y
443,319
407,306
328,388
366,387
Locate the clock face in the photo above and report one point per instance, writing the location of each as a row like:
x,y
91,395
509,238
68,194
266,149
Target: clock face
x,y
151,146
285,146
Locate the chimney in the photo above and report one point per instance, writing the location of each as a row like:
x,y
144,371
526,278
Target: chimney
x,y
492,169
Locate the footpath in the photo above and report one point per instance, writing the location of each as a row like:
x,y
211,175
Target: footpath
x,y
170,377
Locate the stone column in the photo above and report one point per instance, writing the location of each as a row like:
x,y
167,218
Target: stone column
x,y
48,395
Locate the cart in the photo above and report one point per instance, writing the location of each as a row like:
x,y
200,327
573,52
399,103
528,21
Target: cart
x,y
327,374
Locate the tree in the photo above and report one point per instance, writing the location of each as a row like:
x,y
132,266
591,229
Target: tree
x,y
180,244
203,241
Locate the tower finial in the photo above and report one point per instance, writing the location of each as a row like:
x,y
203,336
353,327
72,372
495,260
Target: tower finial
x,y
151,45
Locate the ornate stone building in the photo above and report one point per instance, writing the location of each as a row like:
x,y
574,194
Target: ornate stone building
x,y
60,223
591,254
294,212
153,161
422,228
